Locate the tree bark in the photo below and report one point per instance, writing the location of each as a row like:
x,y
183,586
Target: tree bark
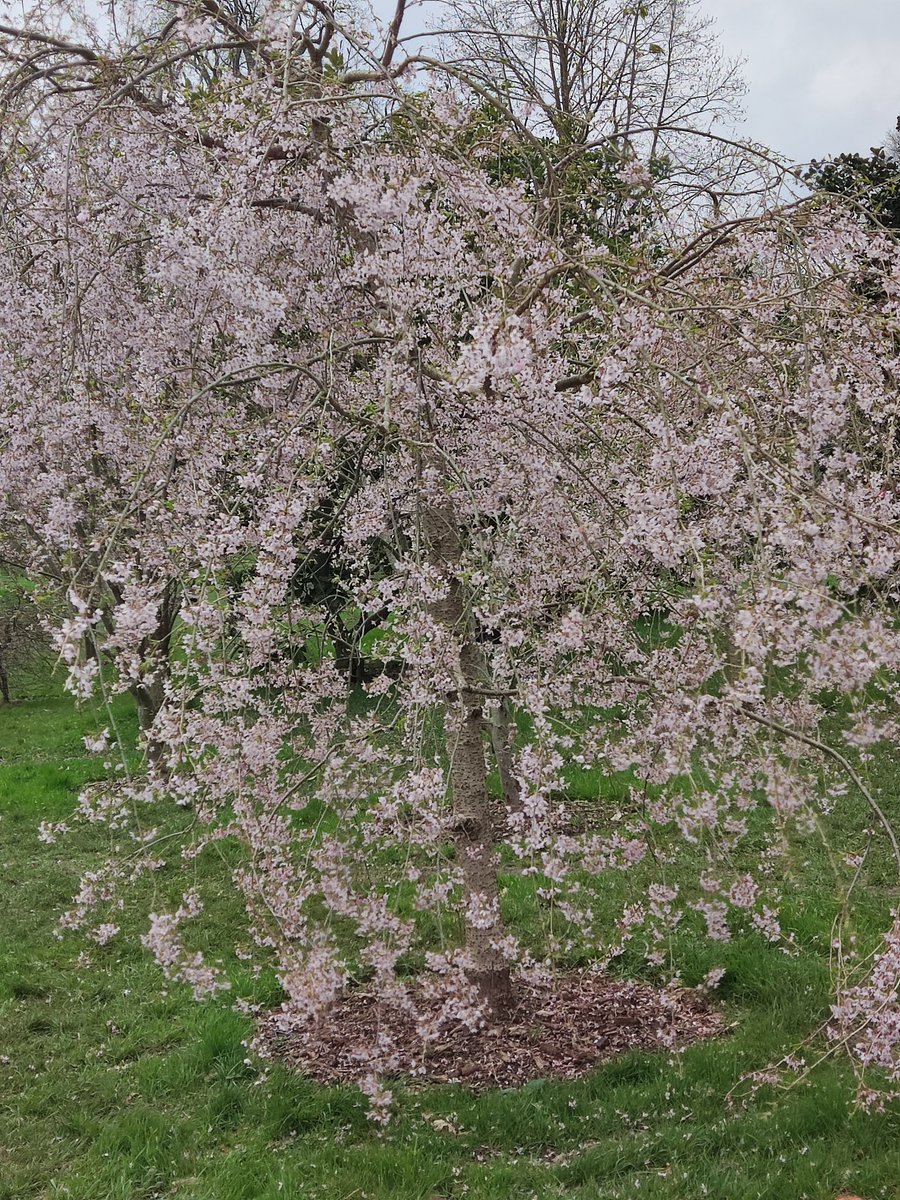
x,y
345,658
149,698
4,684
471,826
348,658
150,695
501,742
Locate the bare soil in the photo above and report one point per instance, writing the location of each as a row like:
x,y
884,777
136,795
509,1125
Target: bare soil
x,y
556,1030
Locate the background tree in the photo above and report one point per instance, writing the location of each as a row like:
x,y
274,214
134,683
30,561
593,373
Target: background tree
x,y
608,98
25,643
871,183
892,141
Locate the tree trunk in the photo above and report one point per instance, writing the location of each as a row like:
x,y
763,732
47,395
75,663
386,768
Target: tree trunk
x,y
471,826
4,684
501,742
343,653
150,695
149,698
347,657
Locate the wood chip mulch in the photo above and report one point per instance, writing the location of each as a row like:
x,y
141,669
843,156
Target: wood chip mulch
x,y
558,1030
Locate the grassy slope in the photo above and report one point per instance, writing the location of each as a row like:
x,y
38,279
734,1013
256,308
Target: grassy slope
x,y
115,1088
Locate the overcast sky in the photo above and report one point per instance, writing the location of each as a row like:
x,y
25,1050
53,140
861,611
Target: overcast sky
x,y
823,75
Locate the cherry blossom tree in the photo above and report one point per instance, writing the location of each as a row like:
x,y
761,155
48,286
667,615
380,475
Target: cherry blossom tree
x,y
646,503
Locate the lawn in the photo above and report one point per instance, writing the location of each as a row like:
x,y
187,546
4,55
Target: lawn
x,y
116,1086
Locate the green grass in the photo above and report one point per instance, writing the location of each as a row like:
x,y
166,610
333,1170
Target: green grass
x,y
117,1086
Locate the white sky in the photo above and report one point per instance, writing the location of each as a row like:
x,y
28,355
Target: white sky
x,y
823,75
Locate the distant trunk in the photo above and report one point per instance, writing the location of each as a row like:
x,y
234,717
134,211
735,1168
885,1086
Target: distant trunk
x,y
347,657
348,652
149,698
501,742
149,695
4,684
472,826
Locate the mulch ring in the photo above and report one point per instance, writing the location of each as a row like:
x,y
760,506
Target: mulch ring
x,y
558,1030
